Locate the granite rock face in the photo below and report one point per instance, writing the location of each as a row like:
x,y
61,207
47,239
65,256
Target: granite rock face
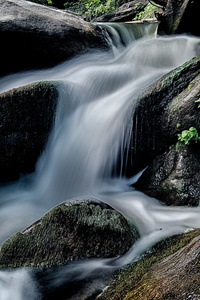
x,y
180,17
162,111
37,36
174,176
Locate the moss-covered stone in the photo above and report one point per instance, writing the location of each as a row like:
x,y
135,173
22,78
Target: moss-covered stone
x,y
169,271
76,229
26,118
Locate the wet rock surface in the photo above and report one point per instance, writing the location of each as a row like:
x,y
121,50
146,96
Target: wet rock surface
x,y
174,177
170,271
76,229
37,36
26,117
162,111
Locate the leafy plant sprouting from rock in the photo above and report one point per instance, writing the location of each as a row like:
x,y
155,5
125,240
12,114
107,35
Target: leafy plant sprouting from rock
x,y
187,136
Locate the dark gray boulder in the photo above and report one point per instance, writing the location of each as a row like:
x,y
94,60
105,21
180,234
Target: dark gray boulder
x,y
180,17
162,111
174,177
37,36
26,118
75,229
126,12
166,109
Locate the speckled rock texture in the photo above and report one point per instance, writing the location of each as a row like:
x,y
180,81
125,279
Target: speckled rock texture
x,y
169,271
162,111
76,229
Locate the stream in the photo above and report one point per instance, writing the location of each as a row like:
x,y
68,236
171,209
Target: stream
x,y
92,130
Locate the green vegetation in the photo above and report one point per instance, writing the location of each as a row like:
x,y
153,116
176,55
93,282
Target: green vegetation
x,y
147,13
92,8
198,101
187,136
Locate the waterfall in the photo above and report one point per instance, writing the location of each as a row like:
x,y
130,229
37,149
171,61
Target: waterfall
x,y
91,132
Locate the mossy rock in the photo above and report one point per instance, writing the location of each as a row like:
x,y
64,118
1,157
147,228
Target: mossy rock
x,y
163,110
169,271
75,229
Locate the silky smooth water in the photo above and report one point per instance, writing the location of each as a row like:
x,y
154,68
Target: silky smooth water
x,y
91,131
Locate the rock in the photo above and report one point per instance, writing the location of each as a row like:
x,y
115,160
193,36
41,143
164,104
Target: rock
x,y
180,17
169,271
124,13
75,229
161,2
174,177
162,111
27,115
37,36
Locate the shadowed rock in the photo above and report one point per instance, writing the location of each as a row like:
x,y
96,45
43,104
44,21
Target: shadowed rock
x,y
162,111
180,16
26,118
37,36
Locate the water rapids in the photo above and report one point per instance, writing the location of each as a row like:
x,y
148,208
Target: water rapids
x,y
92,128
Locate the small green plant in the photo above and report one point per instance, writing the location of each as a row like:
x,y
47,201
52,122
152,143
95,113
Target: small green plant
x,y
147,13
198,101
187,136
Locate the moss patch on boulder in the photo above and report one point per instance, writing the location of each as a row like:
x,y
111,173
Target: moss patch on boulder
x,y
169,271
75,229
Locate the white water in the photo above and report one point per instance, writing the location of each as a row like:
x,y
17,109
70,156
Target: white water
x,y
91,129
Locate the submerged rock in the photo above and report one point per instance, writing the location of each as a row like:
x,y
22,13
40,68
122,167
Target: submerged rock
x,y
75,229
180,17
37,36
27,115
169,271
174,177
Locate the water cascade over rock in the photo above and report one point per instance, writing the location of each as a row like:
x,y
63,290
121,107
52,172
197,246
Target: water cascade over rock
x,y
88,152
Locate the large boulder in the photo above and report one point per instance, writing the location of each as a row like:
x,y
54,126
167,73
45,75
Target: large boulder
x,y
35,36
180,17
26,118
162,111
75,229
169,271
126,12
174,176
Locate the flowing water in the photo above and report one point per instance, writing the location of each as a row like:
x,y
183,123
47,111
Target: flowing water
x,y
92,130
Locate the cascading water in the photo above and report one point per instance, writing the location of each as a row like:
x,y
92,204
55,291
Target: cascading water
x,y
92,130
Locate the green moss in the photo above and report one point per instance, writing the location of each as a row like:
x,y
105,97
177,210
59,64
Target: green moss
x,y
190,86
128,278
147,13
170,77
